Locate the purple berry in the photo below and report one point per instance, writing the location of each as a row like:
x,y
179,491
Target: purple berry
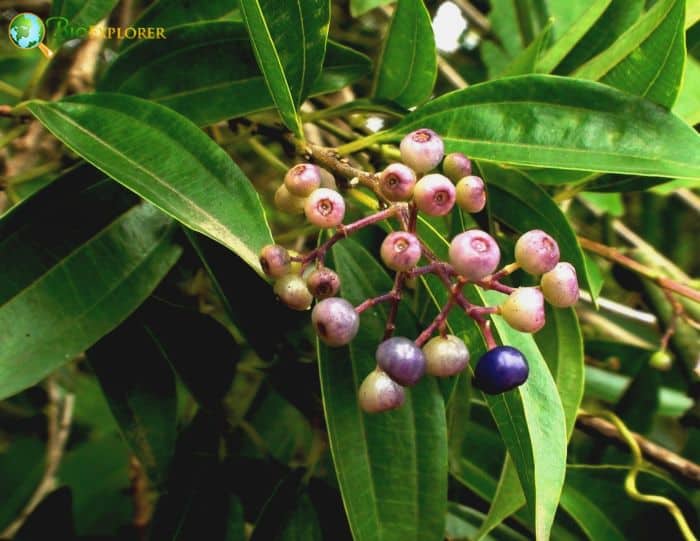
x,y
379,392
560,285
456,166
471,195
536,252
335,321
501,369
323,283
397,182
474,254
524,309
275,260
302,179
292,291
445,356
402,359
325,208
422,150
434,194
400,251
286,202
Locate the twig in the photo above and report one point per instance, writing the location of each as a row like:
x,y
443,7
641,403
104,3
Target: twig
x,y
474,15
450,73
399,281
621,309
689,198
139,497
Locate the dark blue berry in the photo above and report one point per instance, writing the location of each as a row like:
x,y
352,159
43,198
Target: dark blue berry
x,y
402,359
501,369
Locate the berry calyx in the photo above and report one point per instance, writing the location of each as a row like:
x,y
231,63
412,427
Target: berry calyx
x,y
501,369
335,321
397,181
474,254
536,252
400,251
445,356
275,260
524,309
323,283
560,285
434,194
456,166
325,208
292,291
422,150
471,194
286,202
302,179
378,392
402,359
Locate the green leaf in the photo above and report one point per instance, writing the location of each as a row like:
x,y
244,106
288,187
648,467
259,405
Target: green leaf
x,y
360,7
548,121
589,515
75,13
507,499
407,65
687,106
169,13
68,284
526,61
391,467
648,59
462,523
213,91
608,203
165,159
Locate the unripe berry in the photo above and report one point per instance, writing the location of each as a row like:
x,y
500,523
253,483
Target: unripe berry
x,y
524,309
474,254
536,252
325,208
661,360
400,251
302,179
323,283
501,369
327,179
445,356
275,260
335,321
402,359
286,202
422,150
292,291
471,195
379,392
560,285
397,182
456,166
434,194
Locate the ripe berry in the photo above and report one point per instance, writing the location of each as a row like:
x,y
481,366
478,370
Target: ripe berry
x,y
536,252
474,254
325,208
524,309
302,179
335,321
560,285
434,194
400,251
402,359
456,166
501,369
292,291
323,283
379,392
397,182
422,150
471,195
275,260
445,356
286,202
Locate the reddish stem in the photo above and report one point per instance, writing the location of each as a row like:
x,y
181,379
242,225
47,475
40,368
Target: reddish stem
x,y
369,303
399,281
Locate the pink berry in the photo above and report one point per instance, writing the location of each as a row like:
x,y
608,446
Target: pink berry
x,y
325,208
524,309
302,179
456,166
275,260
397,182
471,195
400,251
474,254
379,392
422,150
536,252
560,285
335,321
292,291
286,202
435,195
323,283
445,356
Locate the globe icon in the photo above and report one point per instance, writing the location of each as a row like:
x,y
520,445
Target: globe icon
x,y
27,31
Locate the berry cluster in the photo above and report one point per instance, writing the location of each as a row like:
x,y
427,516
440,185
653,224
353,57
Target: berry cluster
x,y
474,256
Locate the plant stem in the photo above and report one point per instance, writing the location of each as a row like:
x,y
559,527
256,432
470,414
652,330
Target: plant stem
x,y
374,301
359,144
12,134
399,281
267,155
